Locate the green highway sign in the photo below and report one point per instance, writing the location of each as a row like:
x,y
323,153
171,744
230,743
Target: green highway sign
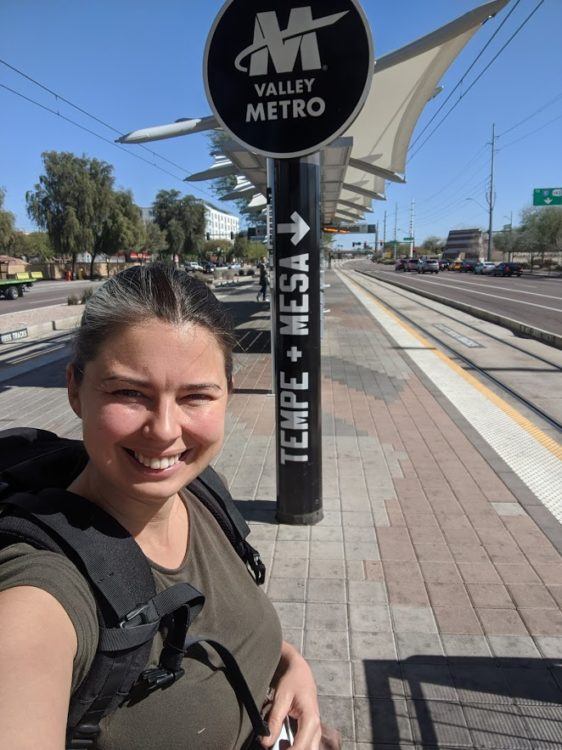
x,y
408,239
547,197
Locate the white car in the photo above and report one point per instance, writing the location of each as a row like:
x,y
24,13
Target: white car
x,y
484,267
193,266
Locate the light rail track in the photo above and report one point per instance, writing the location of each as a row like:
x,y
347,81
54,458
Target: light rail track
x,y
505,387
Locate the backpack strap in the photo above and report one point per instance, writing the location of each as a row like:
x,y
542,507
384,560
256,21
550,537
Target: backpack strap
x,y
212,492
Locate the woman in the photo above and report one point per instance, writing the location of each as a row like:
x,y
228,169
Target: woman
x,y
150,380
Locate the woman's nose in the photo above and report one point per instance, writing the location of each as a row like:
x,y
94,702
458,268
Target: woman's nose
x,y
164,423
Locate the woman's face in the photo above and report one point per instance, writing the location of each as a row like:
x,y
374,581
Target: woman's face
x,y
152,406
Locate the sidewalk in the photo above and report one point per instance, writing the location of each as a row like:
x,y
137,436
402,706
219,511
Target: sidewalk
x,y
428,601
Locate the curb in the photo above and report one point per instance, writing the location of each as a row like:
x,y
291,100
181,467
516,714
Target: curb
x,y
38,329
553,339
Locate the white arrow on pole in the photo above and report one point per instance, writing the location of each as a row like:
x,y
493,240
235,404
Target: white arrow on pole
x,y
299,228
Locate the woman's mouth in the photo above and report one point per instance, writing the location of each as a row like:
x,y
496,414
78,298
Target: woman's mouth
x,y
157,463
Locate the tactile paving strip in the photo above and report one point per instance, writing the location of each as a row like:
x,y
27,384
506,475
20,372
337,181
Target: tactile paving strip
x,y
533,456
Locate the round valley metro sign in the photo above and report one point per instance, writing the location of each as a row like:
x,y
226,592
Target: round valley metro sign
x,y
287,77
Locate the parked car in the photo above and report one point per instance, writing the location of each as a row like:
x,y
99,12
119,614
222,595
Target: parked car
x,y
468,266
428,265
192,265
456,265
507,269
484,267
444,264
412,264
400,264
208,267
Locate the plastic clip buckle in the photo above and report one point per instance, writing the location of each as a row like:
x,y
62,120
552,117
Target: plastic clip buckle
x,y
256,564
158,677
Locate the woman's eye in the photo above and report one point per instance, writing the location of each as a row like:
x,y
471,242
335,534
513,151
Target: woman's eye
x,y
195,398
128,393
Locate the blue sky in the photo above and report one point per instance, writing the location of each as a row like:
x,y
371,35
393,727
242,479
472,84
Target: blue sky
x,y
138,63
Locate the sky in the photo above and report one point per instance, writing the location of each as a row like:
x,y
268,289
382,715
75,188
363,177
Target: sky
x,y
137,63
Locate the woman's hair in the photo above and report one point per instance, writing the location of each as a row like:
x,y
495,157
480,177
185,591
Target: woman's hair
x,y
152,292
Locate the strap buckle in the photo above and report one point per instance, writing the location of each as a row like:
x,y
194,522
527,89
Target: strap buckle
x,y
140,611
255,563
159,678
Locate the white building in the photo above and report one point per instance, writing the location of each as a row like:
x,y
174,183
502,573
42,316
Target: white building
x,y
219,224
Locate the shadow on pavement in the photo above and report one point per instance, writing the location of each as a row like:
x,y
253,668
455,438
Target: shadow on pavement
x,y
460,702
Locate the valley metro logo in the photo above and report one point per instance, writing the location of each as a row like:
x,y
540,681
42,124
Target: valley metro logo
x,y
284,46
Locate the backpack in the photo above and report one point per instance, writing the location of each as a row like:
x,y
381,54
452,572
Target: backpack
x,y
129,610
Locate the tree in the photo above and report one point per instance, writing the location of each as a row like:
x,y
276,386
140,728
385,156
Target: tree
x,y
432,245
122,228
182,220
541,230
7,220
154,240
71,202
216,247
33,245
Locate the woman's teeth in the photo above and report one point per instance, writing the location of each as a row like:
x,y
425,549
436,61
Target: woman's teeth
x,y
157,463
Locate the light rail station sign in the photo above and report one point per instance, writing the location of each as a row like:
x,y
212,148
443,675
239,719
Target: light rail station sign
x,y
287,78
547,197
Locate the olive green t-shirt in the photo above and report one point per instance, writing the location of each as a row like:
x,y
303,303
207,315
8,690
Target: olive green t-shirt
x,y
200,711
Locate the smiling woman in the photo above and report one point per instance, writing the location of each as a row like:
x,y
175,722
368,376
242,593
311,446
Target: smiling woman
x,y
150,380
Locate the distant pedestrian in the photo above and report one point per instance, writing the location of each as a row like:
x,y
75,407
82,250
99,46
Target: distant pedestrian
x,y
263,282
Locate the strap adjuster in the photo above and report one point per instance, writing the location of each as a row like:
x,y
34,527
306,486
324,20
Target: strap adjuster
x,y
140,611
159,678
255,563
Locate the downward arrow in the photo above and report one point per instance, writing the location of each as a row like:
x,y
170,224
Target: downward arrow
x,y
548,200
299,228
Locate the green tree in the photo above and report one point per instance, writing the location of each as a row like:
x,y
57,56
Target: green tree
x,y
154,240
541,230
71,202
32,245
216,247
432,245
122,228
7,221
182,220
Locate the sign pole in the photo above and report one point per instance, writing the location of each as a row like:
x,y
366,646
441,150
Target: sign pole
x,y
296,335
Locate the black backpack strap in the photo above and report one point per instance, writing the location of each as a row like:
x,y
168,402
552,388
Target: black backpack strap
x,y
211,491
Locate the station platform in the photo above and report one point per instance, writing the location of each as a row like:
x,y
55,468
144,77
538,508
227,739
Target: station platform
x,y
429,599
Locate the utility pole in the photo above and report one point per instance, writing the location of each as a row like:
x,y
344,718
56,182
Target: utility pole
x,y
491,198
395,227
384,233
411,230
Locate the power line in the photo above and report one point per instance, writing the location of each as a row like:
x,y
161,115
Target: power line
x,y
85,112
533,114
467,71
542,127
478,77
101,137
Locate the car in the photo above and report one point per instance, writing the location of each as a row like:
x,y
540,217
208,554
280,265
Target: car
x,y
456,265
507,269
468,266
412,264
428,265
192,265
400,264
484,267
444,264
208,267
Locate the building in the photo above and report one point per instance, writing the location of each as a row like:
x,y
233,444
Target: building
x,y
219,224
464,244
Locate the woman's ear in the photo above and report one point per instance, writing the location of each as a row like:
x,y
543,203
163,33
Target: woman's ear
x,y
73,389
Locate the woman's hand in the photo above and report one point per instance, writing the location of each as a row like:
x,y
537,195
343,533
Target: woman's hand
x,y
295,696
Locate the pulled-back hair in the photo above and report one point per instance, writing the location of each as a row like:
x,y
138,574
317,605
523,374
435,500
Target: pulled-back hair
x,y
152,292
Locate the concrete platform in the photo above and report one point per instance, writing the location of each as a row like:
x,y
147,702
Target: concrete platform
x,y
429,599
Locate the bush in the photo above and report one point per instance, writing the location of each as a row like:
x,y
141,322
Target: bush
x,y
73,299
86,294
205,278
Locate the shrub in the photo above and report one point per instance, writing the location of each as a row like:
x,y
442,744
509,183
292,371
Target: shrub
x,y
73,299
86,294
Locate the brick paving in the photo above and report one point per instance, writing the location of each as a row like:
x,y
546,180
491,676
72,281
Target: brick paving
x,y
428,601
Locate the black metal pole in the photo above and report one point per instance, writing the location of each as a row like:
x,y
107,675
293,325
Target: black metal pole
x,y
296,337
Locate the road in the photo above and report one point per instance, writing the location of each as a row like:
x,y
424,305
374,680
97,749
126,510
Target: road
x,y
532,300
45,293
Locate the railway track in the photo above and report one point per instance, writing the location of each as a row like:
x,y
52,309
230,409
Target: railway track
x,y
368,282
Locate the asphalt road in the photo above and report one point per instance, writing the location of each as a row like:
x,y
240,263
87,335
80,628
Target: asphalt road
x,y
533,300
45,293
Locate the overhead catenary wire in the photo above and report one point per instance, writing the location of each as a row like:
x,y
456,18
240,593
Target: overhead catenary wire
x,y
101,137
527,135
478,77
88,114
461,79
533,114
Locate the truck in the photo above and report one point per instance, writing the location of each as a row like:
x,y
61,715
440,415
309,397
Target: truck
x,y
12,285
